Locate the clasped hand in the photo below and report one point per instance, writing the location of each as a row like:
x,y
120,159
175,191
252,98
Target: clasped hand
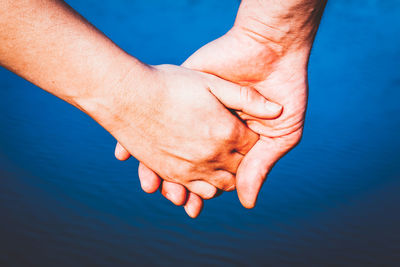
x,y
219,122
243,57
185,130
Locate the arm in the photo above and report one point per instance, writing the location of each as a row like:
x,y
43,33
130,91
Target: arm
x,y
150,110
52,46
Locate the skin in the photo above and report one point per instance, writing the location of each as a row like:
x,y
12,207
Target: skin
x,y
173,119
268,48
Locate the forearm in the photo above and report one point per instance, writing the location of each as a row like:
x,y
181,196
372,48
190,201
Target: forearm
x,y
52,46
284,25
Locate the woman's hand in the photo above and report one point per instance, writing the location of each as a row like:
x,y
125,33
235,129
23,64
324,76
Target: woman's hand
x,y
177,124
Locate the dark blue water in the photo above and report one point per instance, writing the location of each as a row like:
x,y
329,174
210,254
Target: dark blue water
x,y
65,201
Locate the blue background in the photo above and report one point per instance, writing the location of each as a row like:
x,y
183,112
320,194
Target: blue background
x,y
65,200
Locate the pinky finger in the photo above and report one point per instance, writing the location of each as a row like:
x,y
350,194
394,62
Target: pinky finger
x,y
194,205
121,153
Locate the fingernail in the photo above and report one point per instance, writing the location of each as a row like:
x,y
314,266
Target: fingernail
x,y
273,107
248,203
172,198
190,212
231,188
145,186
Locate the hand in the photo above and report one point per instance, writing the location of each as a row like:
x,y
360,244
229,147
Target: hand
x,y
233,57
284,81
239,56
271,53
180,129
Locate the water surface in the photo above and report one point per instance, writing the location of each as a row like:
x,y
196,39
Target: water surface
x,y
65,201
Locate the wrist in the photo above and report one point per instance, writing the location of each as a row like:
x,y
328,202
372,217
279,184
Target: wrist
x,y
114,92
261,58
285,27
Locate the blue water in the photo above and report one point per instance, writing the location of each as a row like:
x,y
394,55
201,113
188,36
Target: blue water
x,y
334,200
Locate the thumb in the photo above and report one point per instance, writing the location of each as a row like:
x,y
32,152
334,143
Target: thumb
x,y
245,99
253,171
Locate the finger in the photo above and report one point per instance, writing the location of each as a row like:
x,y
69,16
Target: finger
x,y
224,180
149,180
253,171
175,193
245,99
229,165
194,205
202,189
121,153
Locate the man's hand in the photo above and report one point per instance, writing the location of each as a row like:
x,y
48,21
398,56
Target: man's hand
x,y
283,80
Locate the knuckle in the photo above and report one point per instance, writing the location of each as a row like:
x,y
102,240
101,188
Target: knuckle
x,y
228,131
292,140
244,94
181,173
222,137
202,189
247,95
207,156
210,193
